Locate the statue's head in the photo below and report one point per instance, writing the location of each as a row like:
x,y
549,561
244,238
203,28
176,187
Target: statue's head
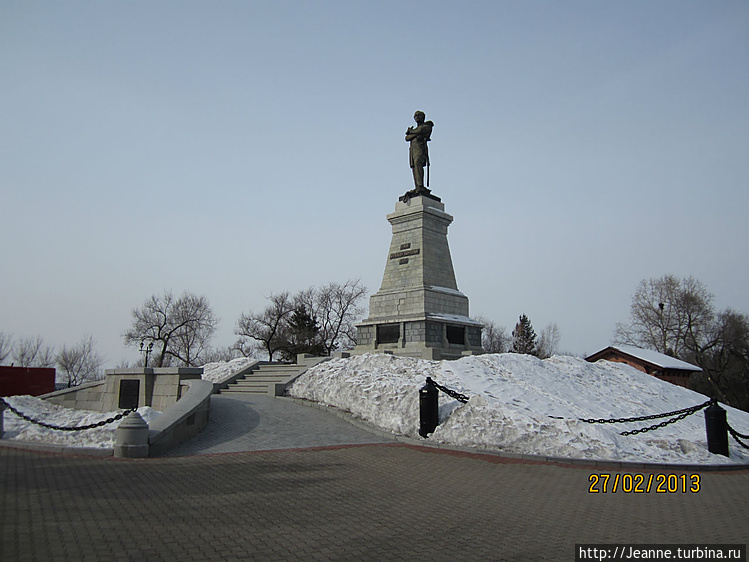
x,y
419,116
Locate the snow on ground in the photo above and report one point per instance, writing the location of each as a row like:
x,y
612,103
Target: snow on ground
x,y
18,429
222,370
512,399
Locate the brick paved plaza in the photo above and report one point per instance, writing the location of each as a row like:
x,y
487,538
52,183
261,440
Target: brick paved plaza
x,y
363,502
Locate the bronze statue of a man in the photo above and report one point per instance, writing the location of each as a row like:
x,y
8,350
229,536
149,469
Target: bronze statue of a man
x,y
418,154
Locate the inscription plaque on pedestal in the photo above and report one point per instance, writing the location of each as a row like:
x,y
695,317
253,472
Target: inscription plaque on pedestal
x,y
129,392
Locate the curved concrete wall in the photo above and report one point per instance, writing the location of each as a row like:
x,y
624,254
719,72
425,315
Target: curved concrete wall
x,y
182,420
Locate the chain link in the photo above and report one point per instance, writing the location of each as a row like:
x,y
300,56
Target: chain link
x,y
658,425
68,428
679,415
732,430
736,435
457,395
690,410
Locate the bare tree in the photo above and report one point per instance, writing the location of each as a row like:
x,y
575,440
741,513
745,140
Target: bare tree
x,y
182,327
6,346
336,308
318,320
32,352
265,330
669,315
80,363
494,339
724,358
676,317
548,344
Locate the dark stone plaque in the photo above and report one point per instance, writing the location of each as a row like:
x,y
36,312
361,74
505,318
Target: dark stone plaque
x,y
456,334
396,255
388,333
129,391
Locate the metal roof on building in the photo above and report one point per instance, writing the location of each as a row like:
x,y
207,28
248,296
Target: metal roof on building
x,y
654,357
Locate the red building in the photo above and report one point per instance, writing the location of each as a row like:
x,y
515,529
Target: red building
x,y
34,381
662,366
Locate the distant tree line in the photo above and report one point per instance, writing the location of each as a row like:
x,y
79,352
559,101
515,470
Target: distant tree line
x,y
318,321
78,363
523,338
676,316
178,330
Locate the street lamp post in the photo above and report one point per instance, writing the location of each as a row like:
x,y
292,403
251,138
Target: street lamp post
x,y
146,351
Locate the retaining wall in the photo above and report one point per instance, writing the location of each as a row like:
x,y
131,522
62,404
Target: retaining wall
x,y
87,396
182,420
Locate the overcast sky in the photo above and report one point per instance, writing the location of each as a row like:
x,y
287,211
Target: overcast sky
x,y
234,149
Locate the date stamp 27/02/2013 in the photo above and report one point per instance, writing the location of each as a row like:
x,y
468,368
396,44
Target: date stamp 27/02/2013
x,y
643,483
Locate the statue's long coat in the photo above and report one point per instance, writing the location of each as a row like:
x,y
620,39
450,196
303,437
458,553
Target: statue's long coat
x,y
418,154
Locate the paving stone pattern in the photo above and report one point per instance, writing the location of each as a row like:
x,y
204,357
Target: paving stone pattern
x,y
254,422
365,502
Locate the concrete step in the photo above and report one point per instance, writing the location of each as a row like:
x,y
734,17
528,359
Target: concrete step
x,y
278,370
251,384
245,390
263,380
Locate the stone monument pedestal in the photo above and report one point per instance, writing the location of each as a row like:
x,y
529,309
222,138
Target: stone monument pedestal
x,y
158,387
419,311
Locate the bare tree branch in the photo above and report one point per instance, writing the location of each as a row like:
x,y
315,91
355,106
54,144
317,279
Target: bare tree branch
x,y
548,344
334,308
80,363
6,346
182,327
32,352
676,317
494,338
266,327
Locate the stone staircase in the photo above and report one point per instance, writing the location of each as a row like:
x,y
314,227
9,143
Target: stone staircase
x,y
269,378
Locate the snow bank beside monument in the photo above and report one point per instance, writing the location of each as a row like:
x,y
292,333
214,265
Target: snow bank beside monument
x,y
512,400
19,429
220,371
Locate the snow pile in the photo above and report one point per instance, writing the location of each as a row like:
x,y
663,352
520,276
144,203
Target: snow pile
x,y
222,370
19,429
512,400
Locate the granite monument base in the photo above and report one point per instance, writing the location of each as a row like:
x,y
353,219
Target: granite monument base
x,y
419,311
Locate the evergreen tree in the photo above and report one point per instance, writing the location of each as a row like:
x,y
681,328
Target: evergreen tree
x,y
301,335
524,337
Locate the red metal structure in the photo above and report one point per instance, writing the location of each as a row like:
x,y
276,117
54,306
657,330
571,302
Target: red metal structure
x,y
26,380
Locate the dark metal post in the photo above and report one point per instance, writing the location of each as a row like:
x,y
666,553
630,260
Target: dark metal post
x,y
146,351
428,408
717,429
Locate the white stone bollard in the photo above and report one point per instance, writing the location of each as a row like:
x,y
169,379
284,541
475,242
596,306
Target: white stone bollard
x,y
131,438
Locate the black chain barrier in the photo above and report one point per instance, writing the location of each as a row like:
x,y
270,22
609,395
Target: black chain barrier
x,y
457,395
737,436
68,428
679,415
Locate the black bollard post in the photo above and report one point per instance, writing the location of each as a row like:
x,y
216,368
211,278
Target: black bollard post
x,y
428,408
717,429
